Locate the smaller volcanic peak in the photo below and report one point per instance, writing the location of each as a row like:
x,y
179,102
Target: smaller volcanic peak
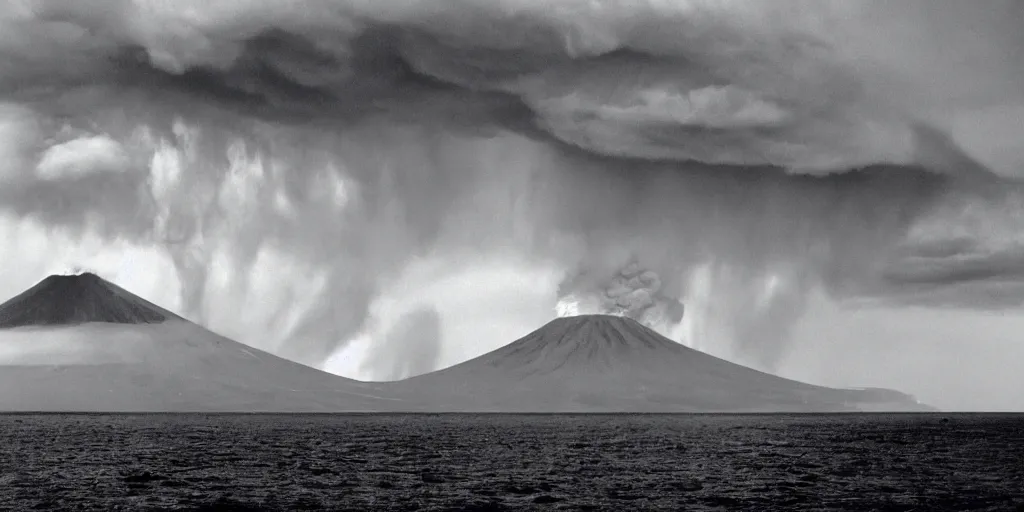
x,y
78,299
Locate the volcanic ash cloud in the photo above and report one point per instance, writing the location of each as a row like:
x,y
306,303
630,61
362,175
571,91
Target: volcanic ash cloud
x,y
632,292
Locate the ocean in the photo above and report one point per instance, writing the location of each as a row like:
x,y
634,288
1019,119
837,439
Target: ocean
x,y
362,462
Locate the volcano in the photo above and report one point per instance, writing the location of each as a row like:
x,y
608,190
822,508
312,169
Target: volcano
x,y
79,299
81,343
599,363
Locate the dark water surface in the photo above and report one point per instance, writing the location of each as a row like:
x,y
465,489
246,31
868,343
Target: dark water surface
x,y
924,462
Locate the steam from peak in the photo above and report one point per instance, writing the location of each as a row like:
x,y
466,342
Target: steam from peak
x,y
632,292
74,270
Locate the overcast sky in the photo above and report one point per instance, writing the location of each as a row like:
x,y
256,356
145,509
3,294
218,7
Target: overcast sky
x,y
829,188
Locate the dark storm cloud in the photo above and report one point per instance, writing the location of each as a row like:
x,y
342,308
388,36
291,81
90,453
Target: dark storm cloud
x,y
959,268
956,274
711,92
965,252
284,77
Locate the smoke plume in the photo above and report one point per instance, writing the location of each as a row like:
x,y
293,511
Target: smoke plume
x,y
632,292
294,159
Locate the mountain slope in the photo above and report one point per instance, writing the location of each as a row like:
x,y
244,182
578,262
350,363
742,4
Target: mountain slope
x,y
597,363
97,347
